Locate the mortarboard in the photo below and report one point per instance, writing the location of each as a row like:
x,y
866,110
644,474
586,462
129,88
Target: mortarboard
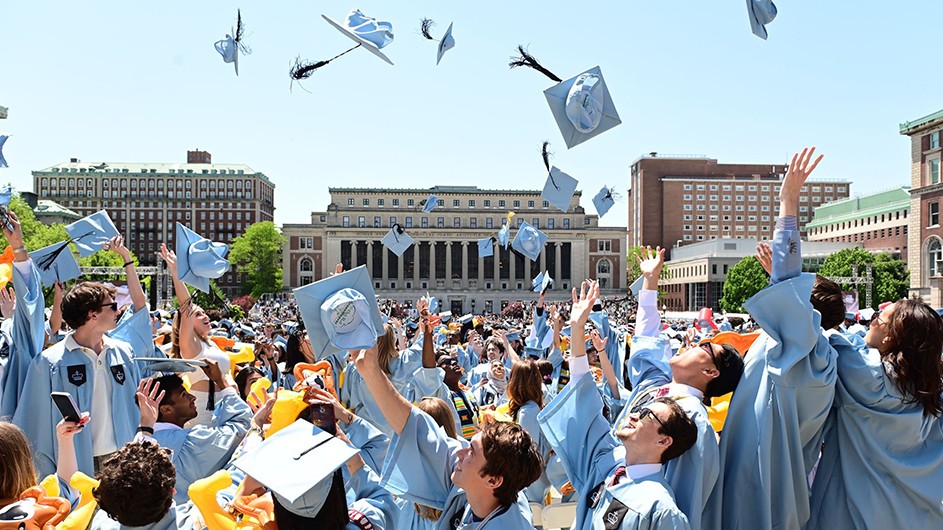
x,y
312,454
761,13
433,303
529,241
232,45
604,200
199,259
542,282
445,316
504,236
340,312
512,336
170,366
91,233
559,188
6,195
56,263
637,286
486,247
465,319
445,44
429,204
397,240
3,140
565,332
580,105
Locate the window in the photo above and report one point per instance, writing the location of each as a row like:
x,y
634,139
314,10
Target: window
x,y
935,140
933,219
687,197
305,265
489,222
440,222
473,222
687,227
366,202
517,204
346,222
392,221
441,202
380,202
566,224
700,197
530,204
604,245
455,203
550,223
377,222
456,222
410,202
546,204
409,222
713,197
934,256
471,203
933,170
424,223
361,221
687,217
713,187
535,222
395,202
687,186
501,203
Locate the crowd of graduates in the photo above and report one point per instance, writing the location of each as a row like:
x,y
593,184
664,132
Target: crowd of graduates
x,y
327,411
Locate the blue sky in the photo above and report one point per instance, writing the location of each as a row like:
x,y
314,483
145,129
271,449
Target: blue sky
x,y
141,82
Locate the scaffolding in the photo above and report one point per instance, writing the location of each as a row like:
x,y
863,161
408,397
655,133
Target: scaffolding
x,y
855,279
163,289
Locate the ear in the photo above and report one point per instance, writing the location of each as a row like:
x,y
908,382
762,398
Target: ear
x,y
711,372
495,482
665,442
165,410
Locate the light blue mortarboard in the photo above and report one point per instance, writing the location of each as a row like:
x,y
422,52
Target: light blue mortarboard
x,y
232,45
582,107
199,259
6,195
312,454
91,233
433,303
397,240
430,204
761,13
3,140
529,241
369,33
446,44
504,235
340,312
559,189
486,247
445,316
637,286
565,332
542,282
603,201
465,319
170,366
56,262
513,336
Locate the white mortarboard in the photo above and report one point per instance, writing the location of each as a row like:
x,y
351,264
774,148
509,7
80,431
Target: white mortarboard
x,y
559,189
446,44
465,319
340,312
312,456
56,262
3,140
170,366
866,313
430,204
542,282
367,32
582,107
397,240
486,247
232,45
603,201
199,259
433,303
91,233
761,13
529,241
637,286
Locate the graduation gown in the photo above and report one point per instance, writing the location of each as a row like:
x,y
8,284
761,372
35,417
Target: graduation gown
x,y
28,336
527,418
355,396
371,500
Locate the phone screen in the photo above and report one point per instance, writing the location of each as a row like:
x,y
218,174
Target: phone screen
x,y
322,415
66,406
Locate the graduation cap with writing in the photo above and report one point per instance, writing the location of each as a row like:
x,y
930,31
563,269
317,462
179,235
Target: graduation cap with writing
x,y
445,44
559,188
340,312
3,140
397,240
170,366
56,263
604,200
581,105
233,45
367,32
91,233
311,454
429,204
486,247
761,13
199,259
542,282
529,241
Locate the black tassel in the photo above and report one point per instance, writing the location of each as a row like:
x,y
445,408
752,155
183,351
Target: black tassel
x,y
611,194
47,261
240,32
546,154
425,27
304,69
529,61
211,397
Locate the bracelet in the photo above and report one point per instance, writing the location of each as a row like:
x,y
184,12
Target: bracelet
x,y
21,249
147,430
128,263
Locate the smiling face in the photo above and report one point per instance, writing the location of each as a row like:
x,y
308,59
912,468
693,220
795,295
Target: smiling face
x,y
467,472
640,434
453,372
493,351
179,407
201,322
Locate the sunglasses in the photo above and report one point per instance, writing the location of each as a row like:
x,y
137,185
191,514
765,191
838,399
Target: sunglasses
x,y
646,412
710,351
113,306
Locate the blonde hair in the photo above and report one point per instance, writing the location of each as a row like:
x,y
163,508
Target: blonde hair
x,y
175,334
386,349
16,462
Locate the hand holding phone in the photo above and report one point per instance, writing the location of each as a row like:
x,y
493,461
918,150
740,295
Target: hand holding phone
x,y
322,415
66,406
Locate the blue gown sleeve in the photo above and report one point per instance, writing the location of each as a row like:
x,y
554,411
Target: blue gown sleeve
x,y
36,416
135,329
373,444
28,334
787,257
648,364
373,501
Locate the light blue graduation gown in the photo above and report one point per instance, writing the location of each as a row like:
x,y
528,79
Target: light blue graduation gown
x,y
50,372
527,418
179,516
574,426
430,382
28,336
201,451
882,465
372,500
419,468
615,348
355,396
467,359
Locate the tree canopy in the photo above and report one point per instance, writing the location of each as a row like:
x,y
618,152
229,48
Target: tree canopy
x,y
257,253
891,278
744,280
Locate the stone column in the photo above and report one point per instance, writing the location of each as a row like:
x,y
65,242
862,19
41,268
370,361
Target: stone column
x,y
370,259
465,264
558,248
353,254
432,252
448,265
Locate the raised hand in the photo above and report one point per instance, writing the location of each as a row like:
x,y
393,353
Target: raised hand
x,y
15,236
116,244
764,254
149,397
7,302
599,343
799,170
583,302
169,257
650,262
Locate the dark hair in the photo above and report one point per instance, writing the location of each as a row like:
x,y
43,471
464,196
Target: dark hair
x,y
82,299
827,299
511,454
914,344
167,384
136,485
242,376
525,384
730,368
293,353
679,426
333,514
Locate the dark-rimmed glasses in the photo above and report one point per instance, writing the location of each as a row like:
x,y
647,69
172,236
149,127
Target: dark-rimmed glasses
x,y
645,412
113,306
710,351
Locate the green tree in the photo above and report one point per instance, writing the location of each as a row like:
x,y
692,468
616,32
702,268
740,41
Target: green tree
x,y
891,278
744,280
257,253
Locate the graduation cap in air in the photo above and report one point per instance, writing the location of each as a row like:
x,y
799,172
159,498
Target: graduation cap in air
x,y
397,240
340,312
429,204
170,366
433,303
367,32
199,259
445,44
91,233
465,319
513,336
761,13
6,195
560,187
312,454
604,200
581,105
233,44
504,234
56,263
529,241
3,140
486,247
636,286
542,282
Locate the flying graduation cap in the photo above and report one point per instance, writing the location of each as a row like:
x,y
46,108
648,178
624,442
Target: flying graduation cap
x,y
486,247
504,234
580,105
429,204
560,187
91,233
761,12
604,200
542,282
56,263
445,44
232,45
3,140
397,240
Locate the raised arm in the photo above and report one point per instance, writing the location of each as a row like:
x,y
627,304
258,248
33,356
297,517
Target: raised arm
x,y
394,407
425,327
135,289
55,317
786,255
187,336
648,320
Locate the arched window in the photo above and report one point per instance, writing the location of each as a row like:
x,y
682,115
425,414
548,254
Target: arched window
x,y
934,257
604,273
306,265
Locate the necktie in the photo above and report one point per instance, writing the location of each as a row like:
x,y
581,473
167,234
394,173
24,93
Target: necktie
x,y
620,472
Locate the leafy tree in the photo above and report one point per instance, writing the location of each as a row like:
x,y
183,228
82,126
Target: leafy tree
x,y
215,299
513,310
257,253
744,280
891,278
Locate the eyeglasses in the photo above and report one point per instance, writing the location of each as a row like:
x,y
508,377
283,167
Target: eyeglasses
x,y
113,306
710,351
646,412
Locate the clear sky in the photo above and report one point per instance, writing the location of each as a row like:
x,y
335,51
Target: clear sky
x,y
140,82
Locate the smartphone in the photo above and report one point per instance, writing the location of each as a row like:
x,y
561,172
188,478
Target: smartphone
x,y
66,406
322,415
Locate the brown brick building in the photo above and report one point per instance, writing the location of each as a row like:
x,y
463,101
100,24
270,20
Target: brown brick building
x,y
877,222
677,200
925,244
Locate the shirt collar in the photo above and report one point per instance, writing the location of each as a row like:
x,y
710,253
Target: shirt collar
x,y
642,470
680,388
107,344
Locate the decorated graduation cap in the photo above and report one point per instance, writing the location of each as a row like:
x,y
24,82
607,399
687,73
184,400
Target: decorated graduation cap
x,y
542,282
604,200
233,44
312,454
91,233
170,366
56,263
429,204
504,234
199,259
529,241
445,44
340,312
580,105
560,187
761,13
486,247
367,32
3,140
397,240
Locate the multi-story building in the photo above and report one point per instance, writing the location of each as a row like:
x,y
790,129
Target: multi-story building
x,y
681,199
925,238
875,222
146,200
51,213
3,112
444,260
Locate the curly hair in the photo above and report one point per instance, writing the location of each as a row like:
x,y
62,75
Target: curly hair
x,y
136,485
913,347
510,453
82,299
